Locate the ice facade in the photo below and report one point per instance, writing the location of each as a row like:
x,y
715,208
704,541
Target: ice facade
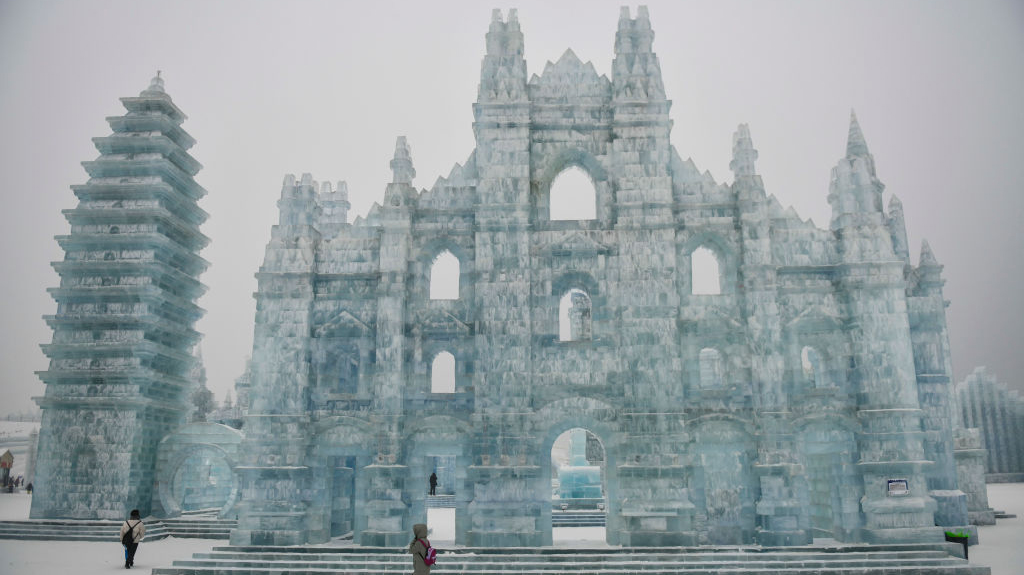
x,y
998,413
121,363
806,392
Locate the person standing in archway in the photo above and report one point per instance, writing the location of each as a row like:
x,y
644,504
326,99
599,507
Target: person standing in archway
x,y
433,483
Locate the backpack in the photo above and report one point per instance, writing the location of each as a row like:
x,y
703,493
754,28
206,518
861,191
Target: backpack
x,y
129,536
431,557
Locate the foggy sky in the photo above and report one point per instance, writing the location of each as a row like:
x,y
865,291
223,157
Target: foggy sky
x,y
325,87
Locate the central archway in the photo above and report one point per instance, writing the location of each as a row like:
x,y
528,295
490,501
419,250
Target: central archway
x,y
599,419
578,487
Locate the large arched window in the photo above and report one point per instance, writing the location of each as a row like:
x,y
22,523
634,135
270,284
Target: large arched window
x,y
444,276
573,196
574,323
705,277
710,368
442,373
810,362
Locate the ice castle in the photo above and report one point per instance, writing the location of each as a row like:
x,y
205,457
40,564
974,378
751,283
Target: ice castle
x,y
806,394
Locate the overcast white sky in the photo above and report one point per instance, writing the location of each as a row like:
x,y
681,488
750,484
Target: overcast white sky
x,y
325,87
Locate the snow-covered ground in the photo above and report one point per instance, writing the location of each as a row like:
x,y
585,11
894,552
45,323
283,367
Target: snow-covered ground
x,y
1002,545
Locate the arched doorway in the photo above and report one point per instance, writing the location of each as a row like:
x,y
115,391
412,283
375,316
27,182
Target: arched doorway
x,y
437,445
342,450
579,496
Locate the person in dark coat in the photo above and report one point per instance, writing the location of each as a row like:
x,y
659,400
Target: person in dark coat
x,y
137,528
433,484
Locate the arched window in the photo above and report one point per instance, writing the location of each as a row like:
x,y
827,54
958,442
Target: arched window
x,y
444,276
705,278
810,361
573,196
710,368
574,323
442,373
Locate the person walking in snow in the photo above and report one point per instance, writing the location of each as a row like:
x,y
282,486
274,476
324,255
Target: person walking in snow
x,y
433,484
419,547
132,531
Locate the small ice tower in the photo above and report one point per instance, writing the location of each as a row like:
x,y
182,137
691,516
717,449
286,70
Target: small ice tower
x,y
578,480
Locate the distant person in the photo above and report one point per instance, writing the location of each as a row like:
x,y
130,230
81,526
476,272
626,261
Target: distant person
x,y
132,532
28,488
423,554
433,484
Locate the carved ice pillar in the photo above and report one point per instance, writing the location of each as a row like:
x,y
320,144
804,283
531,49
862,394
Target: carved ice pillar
x,y
934,372
654,506
387,518
896,504
508,496
275,480
782,517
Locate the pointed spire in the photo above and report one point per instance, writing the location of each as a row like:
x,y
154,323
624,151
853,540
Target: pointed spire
x,y
895,205
401,165
743,153
927,256
856,145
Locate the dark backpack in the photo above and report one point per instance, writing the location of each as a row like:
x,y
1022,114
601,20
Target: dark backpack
x,y
129,536
431,556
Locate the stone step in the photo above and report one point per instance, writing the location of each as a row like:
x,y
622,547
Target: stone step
x,y
896,559
101,530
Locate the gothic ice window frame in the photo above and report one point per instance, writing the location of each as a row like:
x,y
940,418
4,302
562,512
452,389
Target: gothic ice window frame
x,y
572,196
444,276
710,371
705,272
575,310
442,373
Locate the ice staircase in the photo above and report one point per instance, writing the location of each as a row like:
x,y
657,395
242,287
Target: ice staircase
x,y
578,518
925,559
440,501
199,527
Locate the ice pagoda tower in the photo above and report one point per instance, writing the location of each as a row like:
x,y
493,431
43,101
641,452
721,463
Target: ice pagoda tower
x,y
126,308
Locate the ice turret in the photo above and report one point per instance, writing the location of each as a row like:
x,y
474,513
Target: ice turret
x,y
503,72
334,203
855,193
636,73
743,153
401,165
297,206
